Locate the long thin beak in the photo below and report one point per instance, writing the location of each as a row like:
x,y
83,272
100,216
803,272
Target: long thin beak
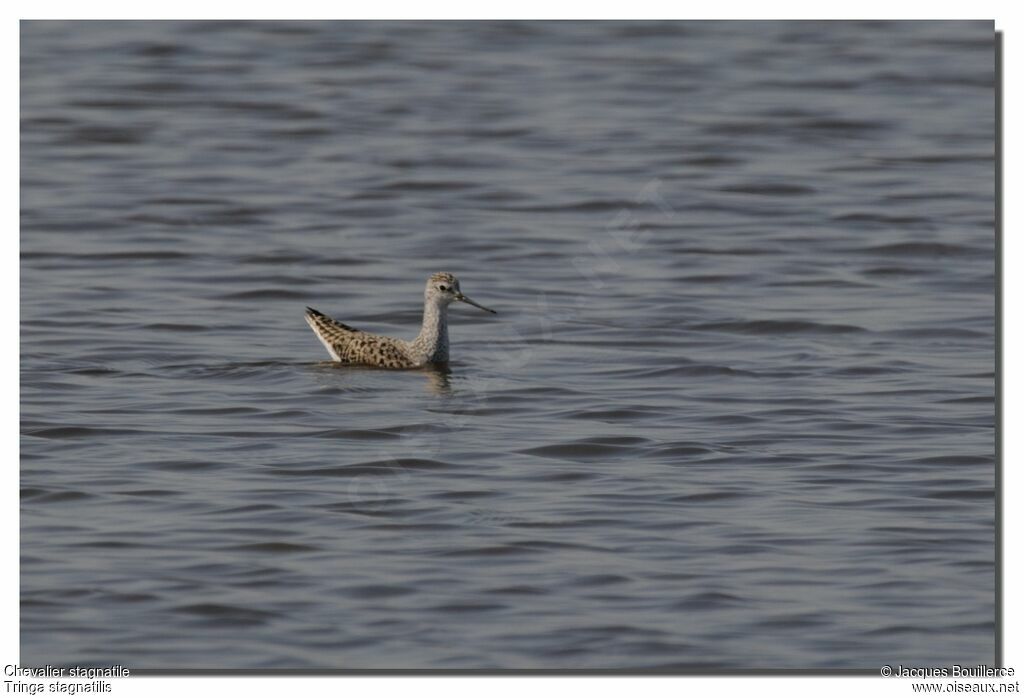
x,y
465,299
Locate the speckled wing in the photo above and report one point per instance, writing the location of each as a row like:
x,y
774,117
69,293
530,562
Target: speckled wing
x,y
349,345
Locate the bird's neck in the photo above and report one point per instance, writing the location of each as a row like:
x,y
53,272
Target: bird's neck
x,y
433,337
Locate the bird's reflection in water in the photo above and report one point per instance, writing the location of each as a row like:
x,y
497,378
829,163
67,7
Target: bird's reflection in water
x,y
352,377
439,379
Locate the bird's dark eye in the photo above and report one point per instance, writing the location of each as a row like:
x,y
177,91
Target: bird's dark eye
x,y
443,288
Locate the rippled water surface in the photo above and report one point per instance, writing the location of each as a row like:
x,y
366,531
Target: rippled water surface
x,y
736,409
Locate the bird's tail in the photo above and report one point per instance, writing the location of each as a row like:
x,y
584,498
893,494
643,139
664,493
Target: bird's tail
x,y
329,331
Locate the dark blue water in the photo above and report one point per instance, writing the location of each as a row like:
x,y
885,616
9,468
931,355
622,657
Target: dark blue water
x,y
736,409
